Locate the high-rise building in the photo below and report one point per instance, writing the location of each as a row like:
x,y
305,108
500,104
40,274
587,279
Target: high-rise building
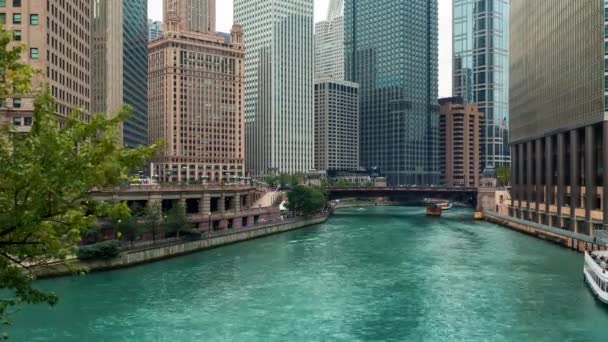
x,y
135,71
329,44
558,128
480,70
391,51
279,75
58,39
155,29
459,127
189,15
336,125
119,64
195,99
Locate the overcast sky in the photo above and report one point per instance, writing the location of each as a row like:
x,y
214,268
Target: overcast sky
x,y
224,22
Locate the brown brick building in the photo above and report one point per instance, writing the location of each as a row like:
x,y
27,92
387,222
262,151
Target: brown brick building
x,y
459,147
196,104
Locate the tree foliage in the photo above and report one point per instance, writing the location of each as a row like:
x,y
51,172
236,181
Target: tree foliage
x,y
285,179
46,177
306,200
177,220
503,175
130,228
15,76
153,220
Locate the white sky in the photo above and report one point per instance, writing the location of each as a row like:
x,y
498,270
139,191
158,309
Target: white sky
x,y
224,22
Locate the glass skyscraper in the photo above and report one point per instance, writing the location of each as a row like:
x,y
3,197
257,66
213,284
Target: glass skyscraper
x,y
279,98
135,71
329,44
391,50
481,70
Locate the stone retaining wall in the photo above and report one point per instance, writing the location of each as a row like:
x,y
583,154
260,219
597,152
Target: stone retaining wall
x,y
132,258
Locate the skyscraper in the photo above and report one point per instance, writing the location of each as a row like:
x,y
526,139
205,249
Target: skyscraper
x,y
329,44
480,70
155,29
135,71
119,64
58,39
391,51
196,104
189,15
558,129
279,72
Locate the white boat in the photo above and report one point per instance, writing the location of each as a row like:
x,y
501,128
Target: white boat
x,y
595,273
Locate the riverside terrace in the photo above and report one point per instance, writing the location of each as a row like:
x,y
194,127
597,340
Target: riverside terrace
x,y
464,195
210,207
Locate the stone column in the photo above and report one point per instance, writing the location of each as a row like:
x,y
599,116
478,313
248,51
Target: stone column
x,y
529,178
538,144
574,179
205,204
237,202
221,205
561,177
548,178
605,173
522,185
514,183
590,169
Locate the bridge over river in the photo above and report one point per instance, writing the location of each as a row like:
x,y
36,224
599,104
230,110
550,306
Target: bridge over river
x,y
464,195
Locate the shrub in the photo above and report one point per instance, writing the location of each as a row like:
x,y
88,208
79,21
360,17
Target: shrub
x,y
100,251
191,235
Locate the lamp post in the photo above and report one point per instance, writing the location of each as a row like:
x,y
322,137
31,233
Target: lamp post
x,y
209,229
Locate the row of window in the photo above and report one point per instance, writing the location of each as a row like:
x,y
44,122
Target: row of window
x,y
34,19
16,3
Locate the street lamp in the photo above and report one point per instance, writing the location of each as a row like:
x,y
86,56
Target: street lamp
x,y
209,228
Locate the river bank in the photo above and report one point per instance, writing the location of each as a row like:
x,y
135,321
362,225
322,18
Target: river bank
x,y
568,239
156,253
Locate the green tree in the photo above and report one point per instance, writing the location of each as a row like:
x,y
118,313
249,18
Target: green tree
x,y
46,177
306,200
503,175
153,220
130,228
176,220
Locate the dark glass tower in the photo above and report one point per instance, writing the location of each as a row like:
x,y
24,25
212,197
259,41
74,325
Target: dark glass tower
x,y
135,70
391,51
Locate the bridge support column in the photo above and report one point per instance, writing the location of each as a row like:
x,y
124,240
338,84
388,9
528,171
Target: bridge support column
x,y
237,202
561,177
529,180
539,178
522,185
221,206
205,204
549,179
590,168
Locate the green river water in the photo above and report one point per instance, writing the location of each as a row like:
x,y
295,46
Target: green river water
x,y
368,274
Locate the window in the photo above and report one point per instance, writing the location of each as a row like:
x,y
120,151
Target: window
x,y
34,53
16,121
27,121
16,103
16,18
34,19
3,18
16,3
2,3
17,35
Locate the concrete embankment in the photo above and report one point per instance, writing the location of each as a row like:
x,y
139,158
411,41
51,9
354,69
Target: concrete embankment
x,y
575,241
131,258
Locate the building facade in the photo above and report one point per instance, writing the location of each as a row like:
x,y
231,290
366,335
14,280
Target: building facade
x,y
329,44
558,130
135,71
391,52
155,29
189,16
195,99
279,95
459,143
336,125
58,39
480,70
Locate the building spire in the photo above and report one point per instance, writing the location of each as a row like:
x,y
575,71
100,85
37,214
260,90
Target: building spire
x,y
336,9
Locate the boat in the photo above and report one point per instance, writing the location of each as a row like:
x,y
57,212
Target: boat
x,y
433,210
445,205
595,274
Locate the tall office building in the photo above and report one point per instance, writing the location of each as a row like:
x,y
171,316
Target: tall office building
x,y
459,142
336,125
558,98
58,39
195,96
329,44
135,71
279,75
155,29
391,51
189,15
119,64
480,70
